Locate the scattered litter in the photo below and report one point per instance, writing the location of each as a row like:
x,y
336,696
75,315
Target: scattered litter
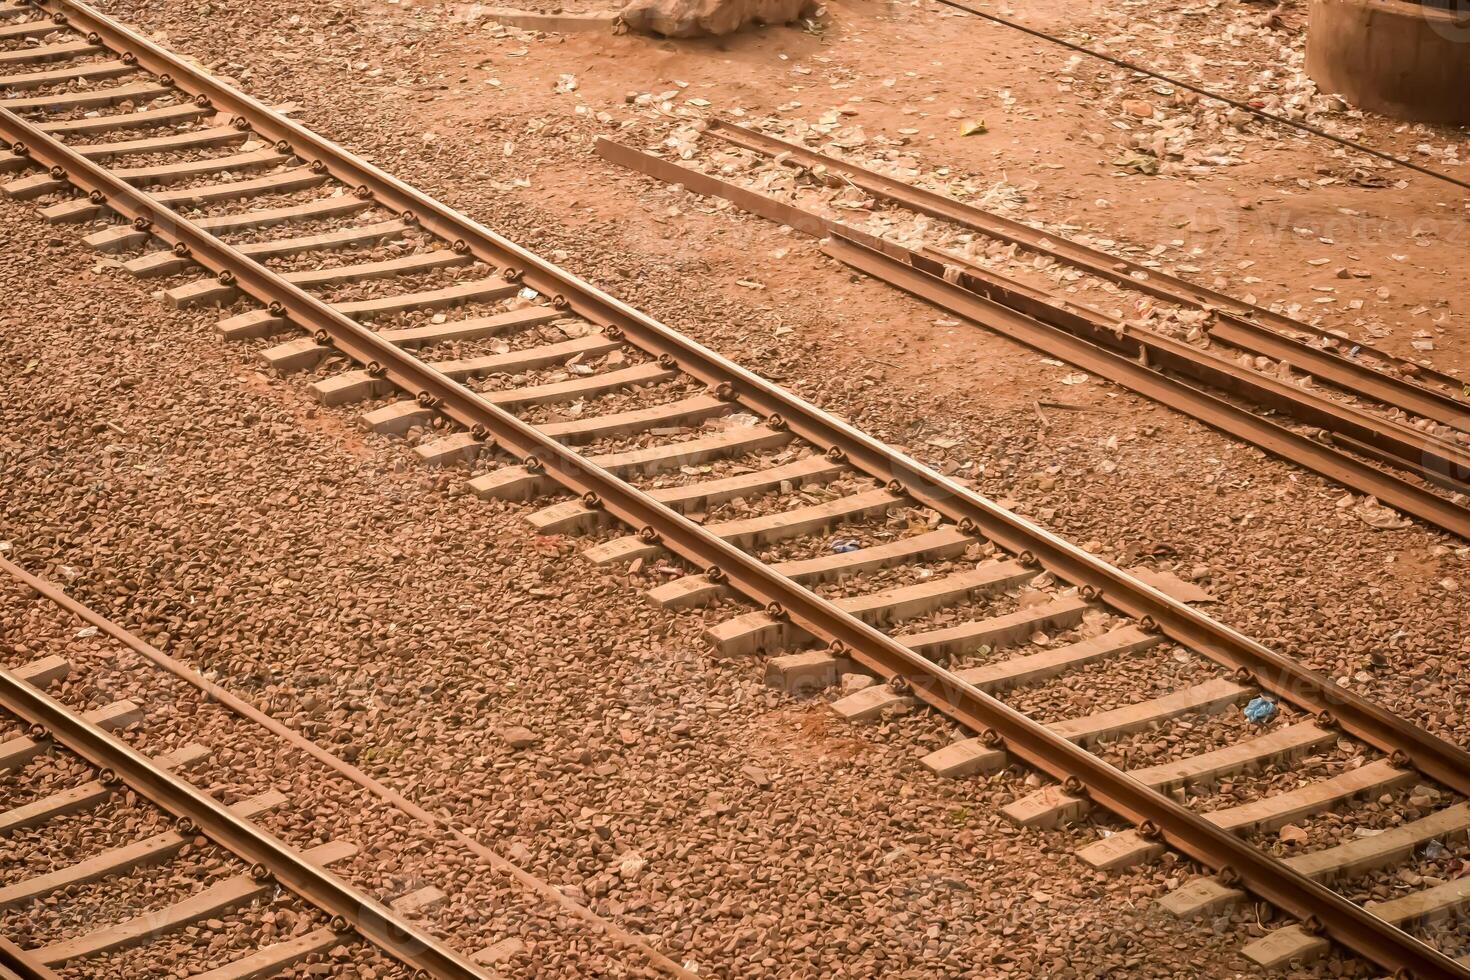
x,y
1372,513
974,127
1435,850
1260,710
85,632
1138,163
842,546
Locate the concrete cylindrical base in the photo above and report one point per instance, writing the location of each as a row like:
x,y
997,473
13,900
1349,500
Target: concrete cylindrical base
x,y
1405,60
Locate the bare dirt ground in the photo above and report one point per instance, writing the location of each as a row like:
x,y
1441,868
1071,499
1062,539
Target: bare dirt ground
x,y
158,474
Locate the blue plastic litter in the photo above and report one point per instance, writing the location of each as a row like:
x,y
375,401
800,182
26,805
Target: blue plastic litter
x,y
1260,711
843,545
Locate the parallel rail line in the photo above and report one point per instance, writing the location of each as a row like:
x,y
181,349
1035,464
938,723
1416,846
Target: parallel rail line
x,y
790,611
271,860
12,954
1143,360
1444,398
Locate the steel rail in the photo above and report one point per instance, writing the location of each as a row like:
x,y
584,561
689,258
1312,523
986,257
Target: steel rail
x,y
245,710
1281,675
1047,335
1236,321
1034,743
1191,834
1403,444
16,965
395,936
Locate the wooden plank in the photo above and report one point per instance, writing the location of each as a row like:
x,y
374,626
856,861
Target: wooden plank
x,y
218,897
420,900
119,238
299,178
684,413
871,702
142,119
1424,906
430,299
805,672
167,263
1288,741
921,598
404,265
49,52
1276,950
520,361
1362,854
1045,664
31,28
1200,896
192,139
749,632
473,328
261,323
44,672
357,385
1208,696
37,184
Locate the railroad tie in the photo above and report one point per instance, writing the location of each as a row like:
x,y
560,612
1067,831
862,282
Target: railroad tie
x,y
271,960
223,894
751,531
519,483
972,755
946,542
1129,848
123,859
86,795
1052,805
1279,948
21,749
870,703
573,516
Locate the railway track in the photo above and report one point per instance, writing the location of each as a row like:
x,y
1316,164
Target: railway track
x,y
486,356
59,809
1376,423
71,782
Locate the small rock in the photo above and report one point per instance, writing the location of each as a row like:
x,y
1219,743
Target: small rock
x,y
519,738
1292,834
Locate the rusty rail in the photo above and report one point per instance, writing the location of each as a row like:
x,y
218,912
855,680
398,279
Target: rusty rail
x,y
1027,740
1321,458
390,932
16,965
1237,322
